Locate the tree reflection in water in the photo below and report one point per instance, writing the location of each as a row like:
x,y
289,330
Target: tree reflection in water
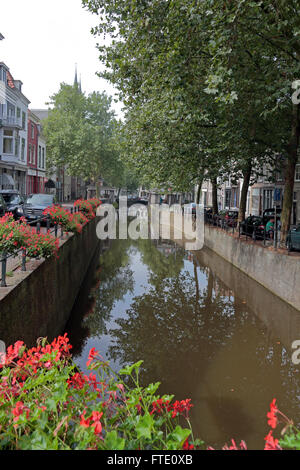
x,y
115,280
196,337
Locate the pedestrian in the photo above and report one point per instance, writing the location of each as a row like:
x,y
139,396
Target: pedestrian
x,y
270,228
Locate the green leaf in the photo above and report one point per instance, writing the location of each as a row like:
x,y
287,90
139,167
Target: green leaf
x,y
113,441
152,388
128,369
144,426
291,441
179,435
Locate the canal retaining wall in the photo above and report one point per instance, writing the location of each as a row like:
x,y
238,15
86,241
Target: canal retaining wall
x,y
40,304
279,317
276,271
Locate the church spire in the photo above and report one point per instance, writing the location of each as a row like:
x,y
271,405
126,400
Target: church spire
x,y
75,79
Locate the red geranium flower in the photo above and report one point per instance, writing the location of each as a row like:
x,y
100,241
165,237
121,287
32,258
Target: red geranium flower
x,y
271,443
92,354
272,421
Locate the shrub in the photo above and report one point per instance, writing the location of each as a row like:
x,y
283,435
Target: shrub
x,y
77,221
16,235
69,222
95,202
46,403
59,215
86,207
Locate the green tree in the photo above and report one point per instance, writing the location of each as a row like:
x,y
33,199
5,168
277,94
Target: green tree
x,y
80,131
255,48
189,74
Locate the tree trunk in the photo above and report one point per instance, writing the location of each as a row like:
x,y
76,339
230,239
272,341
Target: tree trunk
x,y
289,178
244,193
98,189
199,191
215,196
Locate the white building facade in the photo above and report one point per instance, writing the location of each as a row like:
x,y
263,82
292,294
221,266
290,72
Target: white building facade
x,y
13,132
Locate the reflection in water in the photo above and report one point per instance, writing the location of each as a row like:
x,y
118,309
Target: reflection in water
x,y
196,334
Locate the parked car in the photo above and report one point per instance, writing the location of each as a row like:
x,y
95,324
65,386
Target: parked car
x,y
14,201
34,206
253,226
142,200
3,207
293,239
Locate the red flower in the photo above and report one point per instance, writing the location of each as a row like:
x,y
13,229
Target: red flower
x,y
85,422
160,405
182,407
271,443
233,446
272,421
92,354
96,416
187,446
19,410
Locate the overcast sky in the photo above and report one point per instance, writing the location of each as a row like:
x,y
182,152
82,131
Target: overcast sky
x,y
43,41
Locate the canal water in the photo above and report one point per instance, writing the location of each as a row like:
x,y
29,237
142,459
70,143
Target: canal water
x,y
203,329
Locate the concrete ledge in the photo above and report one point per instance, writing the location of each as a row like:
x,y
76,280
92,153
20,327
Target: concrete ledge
x,y
40,304
277,272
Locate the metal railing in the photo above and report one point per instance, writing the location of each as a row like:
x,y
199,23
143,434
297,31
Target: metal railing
x,y
12,121
4,257
256,234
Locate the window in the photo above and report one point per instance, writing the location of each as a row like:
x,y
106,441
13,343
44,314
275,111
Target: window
x,y
23,120
10,110
43,158
227,197
17,146
32,131
33,154
279,175
297,174
18,113
268,199
236,201
29,153
2,74
40,156
23,150
8,142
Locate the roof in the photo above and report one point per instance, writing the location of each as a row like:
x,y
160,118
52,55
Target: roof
x,y
41,113
33,117
10,80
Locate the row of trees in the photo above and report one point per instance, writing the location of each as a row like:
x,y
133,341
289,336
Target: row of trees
x,y
207,88
81,136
